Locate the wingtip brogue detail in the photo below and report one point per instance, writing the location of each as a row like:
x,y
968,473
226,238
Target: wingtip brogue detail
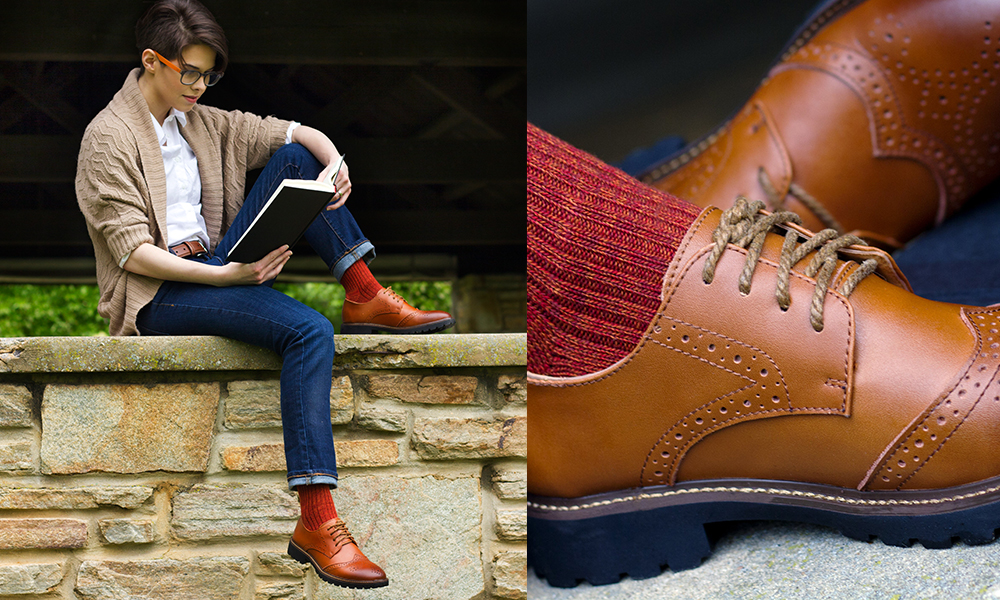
x,y
388,312
335,556
919,444
900,94
883,422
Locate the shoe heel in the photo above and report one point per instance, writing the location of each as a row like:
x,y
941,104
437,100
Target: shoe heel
x,y
602,550
298,554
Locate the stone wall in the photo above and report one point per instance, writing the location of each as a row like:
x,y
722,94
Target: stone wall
x,y
154,468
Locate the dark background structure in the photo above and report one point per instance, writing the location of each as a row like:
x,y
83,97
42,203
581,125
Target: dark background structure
x,y
612,76
426,98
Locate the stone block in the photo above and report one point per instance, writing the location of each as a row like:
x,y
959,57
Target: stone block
x,y
204,578
350,453
16,456
510,484
261,457
126,531
128,428
29,579
512,524
425,532
447,438
366,453
510,575
129,497
15,406
381,418
257,404
16,534
514,389
226,511
425,389
273,563
253,405
267,590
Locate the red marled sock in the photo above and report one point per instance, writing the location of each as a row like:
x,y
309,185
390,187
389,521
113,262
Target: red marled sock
x,y
599,242
359,283
316,503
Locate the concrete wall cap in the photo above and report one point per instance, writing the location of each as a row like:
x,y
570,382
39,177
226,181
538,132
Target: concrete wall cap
x,y
207,353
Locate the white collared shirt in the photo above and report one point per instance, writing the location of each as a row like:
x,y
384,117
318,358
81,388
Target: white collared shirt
x,y
184,219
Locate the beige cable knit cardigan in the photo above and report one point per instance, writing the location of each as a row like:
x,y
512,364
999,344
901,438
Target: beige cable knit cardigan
x,y
122,190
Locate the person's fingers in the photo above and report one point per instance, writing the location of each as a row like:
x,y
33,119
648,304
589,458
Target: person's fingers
x,y
337,204
324,173
269,266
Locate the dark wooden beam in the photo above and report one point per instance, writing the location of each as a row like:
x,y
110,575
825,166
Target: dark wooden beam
x,y
375,32
424,228
44,97
388,267
52,158
342,111
459,89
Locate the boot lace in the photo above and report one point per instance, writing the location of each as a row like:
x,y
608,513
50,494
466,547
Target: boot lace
x,y
743,225
777,202
338,532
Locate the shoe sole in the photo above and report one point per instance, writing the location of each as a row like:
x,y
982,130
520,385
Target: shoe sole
x,y
637,533
303,557
362,328
823,15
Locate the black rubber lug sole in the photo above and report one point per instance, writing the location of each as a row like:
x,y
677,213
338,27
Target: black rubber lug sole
x,y
303,557
603,538
369,328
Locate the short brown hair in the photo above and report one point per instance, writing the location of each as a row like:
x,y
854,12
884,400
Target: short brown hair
x,y
171,25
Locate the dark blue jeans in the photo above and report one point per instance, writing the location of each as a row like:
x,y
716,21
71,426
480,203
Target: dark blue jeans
x,y
262,316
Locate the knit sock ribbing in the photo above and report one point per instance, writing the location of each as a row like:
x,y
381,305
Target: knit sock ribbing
x,y
316,504
359,283
599,243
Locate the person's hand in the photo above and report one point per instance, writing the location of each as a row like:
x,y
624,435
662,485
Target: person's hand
x,y
341,183
256,273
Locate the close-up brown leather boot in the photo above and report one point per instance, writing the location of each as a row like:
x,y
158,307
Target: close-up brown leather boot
x,y
880,118
785,376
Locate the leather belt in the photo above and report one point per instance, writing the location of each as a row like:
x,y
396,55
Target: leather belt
x,y
192,248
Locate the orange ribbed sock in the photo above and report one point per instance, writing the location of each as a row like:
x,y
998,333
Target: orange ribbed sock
x,y
360,284
316,503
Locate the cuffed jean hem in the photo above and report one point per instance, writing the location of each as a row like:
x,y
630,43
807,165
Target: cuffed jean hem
x,y
365,250
294,482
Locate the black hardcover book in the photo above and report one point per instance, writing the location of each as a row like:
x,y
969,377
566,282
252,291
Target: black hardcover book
x,y
284,218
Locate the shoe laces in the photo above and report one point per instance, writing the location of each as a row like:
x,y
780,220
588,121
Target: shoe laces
x,y
777,202
745,226
338,532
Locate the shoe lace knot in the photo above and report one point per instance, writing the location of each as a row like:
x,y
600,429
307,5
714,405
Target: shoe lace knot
x,y
745,226
337,531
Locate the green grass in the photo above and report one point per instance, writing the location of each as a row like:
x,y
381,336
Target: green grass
x,y
44,310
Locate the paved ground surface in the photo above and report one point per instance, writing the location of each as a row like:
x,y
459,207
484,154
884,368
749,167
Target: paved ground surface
x,y
775,561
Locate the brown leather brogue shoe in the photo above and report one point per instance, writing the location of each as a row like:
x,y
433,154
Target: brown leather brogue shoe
x,y
786,376
388,313
880,119
335,555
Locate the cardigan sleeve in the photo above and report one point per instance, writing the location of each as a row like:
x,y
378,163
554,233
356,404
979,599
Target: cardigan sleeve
x,y
110,189
257,137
